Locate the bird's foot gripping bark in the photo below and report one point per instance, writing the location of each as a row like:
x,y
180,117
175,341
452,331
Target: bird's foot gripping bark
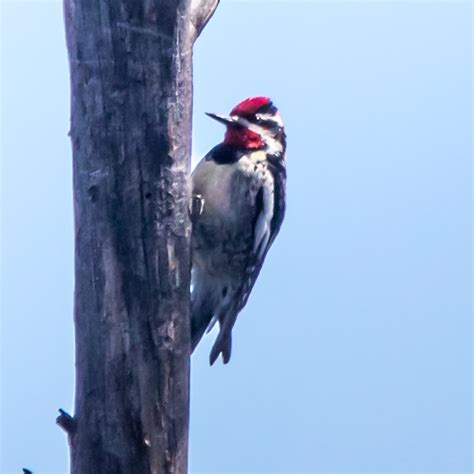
x,y
196,206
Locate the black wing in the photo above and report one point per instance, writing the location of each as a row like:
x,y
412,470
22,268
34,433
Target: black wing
x,y
279,207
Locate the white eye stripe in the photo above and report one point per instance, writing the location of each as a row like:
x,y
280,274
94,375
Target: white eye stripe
x,y
274,118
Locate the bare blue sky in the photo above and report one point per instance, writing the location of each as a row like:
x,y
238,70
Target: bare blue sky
x,y
354,353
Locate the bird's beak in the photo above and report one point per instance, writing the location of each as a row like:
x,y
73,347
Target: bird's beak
x,y
224,119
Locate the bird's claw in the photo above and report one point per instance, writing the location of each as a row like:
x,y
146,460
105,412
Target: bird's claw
x,y
196,206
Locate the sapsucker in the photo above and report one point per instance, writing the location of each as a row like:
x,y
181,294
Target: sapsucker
x,y
239,195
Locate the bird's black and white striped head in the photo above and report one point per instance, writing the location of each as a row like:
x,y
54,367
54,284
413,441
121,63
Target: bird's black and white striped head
x,y
255,123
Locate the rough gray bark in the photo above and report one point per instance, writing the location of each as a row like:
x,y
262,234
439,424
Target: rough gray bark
x,y
131,105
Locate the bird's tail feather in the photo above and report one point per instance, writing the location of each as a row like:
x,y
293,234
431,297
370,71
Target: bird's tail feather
x,y
222,345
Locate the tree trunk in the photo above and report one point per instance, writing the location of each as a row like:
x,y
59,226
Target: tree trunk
x,y
131,106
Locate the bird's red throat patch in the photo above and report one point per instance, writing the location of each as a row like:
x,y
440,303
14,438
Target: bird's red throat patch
x,y
242,138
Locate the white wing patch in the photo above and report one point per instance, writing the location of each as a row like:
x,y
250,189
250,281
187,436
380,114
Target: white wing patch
x,y
263,225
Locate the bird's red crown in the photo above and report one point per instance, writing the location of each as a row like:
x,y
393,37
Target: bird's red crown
x,y
250,106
